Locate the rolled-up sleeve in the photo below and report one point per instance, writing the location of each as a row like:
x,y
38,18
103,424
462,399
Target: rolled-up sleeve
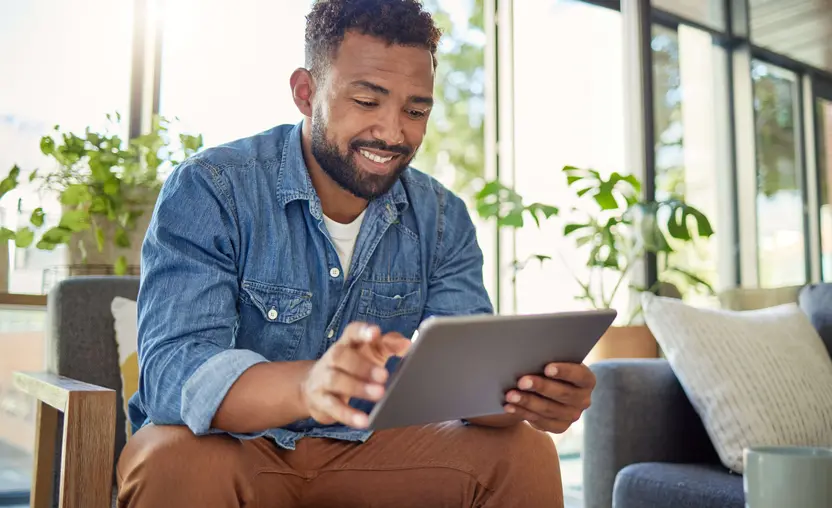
x,y
455,285
187,305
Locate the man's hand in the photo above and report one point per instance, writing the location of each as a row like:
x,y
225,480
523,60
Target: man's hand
x,y
554,402
352,367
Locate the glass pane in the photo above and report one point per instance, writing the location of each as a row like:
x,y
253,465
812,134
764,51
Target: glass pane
x,y
59,72
21,348
825,170
260,46
706,12
800,29
568,111
580,123
780,224
691,119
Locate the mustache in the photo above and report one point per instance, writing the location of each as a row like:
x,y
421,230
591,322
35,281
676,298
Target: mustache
x,y
377,144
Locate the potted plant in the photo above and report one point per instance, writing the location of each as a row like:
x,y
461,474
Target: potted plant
x,y
107,188
617,229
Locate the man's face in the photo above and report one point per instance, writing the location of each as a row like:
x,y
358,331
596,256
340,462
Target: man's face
x,y
370,113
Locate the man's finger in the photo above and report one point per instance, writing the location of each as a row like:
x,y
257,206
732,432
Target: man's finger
x,y
354,362
577,374
357,334
343,412
546,408
342,383
522,412
565,393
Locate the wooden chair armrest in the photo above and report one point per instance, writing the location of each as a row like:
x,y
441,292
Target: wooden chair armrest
x,y
88,440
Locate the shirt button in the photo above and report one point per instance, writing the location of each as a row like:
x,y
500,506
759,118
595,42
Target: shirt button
x,y
330,334
335,272
272,314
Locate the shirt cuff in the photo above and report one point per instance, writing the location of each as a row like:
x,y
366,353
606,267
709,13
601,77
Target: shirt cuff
x,y
205,390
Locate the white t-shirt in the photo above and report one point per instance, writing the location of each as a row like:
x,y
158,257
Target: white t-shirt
x,y
344,236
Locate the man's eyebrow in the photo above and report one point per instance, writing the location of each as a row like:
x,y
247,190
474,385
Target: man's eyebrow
x,y
421,100
370,86
418,99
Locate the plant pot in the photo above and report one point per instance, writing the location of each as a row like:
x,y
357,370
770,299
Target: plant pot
x,y
111,252
624,342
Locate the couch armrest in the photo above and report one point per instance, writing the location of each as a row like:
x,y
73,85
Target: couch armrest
x,y
639,413
88,439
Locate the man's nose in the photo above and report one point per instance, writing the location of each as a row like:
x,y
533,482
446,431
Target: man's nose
x,y
389,128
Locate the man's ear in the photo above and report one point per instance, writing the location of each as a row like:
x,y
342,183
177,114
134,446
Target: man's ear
x,y
303,88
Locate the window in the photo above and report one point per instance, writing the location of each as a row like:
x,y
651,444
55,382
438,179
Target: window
x,y
691,118
800,29
568,110
226,65
710,13
21,348
824,112
780,219
58,73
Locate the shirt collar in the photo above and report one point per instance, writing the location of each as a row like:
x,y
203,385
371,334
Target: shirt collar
x,y
294,182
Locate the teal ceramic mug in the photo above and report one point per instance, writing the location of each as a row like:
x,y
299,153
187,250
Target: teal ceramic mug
x,y
783,476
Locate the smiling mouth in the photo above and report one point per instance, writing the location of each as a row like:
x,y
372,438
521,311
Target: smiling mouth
x,y
378,159
380,164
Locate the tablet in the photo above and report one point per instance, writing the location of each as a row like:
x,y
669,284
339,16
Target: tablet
x,y
461,367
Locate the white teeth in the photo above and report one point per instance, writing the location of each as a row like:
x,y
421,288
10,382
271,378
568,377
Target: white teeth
x,y
375,158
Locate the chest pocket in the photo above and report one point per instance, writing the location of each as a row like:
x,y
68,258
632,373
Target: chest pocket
x,y
273,319
394,307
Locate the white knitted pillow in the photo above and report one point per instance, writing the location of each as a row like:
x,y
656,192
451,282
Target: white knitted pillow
x,y
756,378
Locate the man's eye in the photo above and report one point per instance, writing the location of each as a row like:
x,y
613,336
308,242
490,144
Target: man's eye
x,y
365,104
416,114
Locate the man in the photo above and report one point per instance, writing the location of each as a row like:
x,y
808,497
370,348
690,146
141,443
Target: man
x,y
283,272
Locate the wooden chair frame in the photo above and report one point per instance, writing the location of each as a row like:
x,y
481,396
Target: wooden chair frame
x,y
88,442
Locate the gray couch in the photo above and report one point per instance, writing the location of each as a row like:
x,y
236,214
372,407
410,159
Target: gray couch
x,y
645,446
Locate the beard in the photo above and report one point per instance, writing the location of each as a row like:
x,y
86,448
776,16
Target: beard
x,y
342,168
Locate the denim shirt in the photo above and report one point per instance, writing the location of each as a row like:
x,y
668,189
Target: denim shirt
x,y
238,269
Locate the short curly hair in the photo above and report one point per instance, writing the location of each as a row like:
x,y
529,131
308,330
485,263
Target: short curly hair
x,y
402,22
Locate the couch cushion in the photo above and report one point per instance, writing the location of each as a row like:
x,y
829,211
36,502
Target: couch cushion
x,y
664,485
755,378
816,301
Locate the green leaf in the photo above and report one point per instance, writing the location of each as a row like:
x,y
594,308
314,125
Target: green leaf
x,y
122,239
24,237
120,266
10,182
99,238
111,187
33,175
571,228
75,195
57,235
703,225
37,217
676,226
6,234
98,205
513,219
47,144
583,240
75,220
548,211
605,199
